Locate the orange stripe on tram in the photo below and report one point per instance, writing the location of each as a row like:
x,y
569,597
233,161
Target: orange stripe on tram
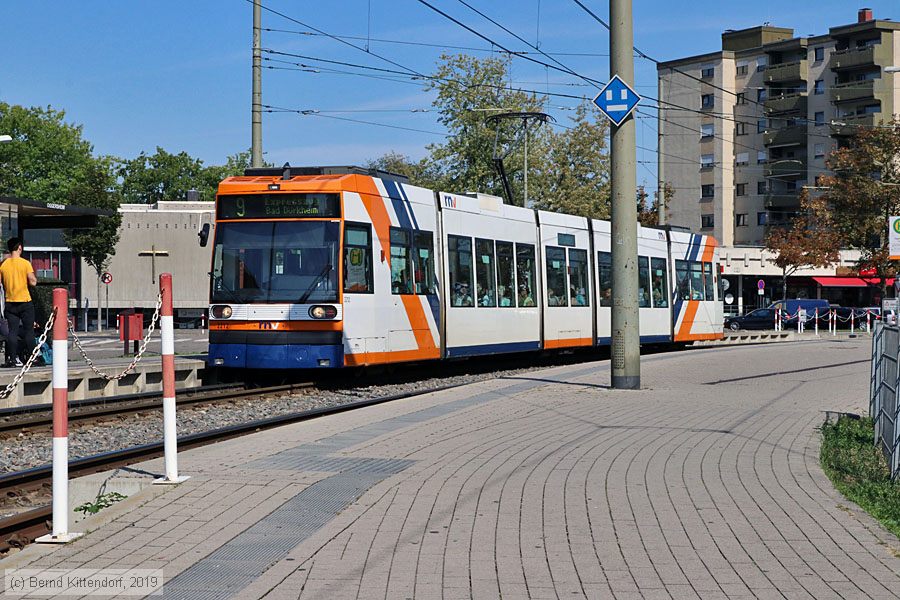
x,y
567,343
381,221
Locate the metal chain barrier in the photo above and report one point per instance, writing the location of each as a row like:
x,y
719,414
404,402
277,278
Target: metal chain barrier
x,y
34,354
137,357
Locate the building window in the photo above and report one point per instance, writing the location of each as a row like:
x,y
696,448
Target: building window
x,y
819,87
742,158
707,190
707,72
817,181
762,218
819,150
707,160
741,97
740,220
707,130
761,157
761,187
740,189
707,100
761,95
741,70
761,63
820,118
707,221
819,53
740,129
760,125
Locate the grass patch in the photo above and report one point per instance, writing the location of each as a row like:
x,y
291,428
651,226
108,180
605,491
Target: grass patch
x,y
858,470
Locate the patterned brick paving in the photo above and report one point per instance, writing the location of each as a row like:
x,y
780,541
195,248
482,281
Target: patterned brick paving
x,y
550,485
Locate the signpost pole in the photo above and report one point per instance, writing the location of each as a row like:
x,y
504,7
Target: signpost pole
x,y
626,356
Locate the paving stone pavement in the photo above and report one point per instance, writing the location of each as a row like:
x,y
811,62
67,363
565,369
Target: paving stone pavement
x,y
706,484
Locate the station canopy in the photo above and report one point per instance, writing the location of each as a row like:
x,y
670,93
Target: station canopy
x,y
31,214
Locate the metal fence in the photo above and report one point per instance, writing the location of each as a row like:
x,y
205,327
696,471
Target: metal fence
x,y
883,393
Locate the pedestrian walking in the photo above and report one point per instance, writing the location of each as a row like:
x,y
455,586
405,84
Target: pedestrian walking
x,y
17,274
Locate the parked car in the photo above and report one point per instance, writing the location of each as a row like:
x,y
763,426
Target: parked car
x,y
792,306
761,318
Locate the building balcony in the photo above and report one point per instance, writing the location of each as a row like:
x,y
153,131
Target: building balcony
x,y
787,72
849,125
856,58
787,168
790,103
789,136
782,202
853,90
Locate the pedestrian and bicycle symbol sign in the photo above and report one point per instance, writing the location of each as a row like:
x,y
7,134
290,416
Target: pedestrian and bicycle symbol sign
x,y
106,278
616,100
894,237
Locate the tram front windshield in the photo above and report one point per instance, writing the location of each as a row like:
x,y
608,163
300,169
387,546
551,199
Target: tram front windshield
x,y
282,261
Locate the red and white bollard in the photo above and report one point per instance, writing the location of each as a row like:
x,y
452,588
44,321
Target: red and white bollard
x,y
167,334
799,322
60,532
868,321
852,324
833,322
777,319
816,317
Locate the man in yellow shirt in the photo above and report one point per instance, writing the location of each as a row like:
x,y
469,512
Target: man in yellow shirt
x,y
17,274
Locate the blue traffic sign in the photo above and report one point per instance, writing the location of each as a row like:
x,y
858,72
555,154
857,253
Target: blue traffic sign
x,y
617,100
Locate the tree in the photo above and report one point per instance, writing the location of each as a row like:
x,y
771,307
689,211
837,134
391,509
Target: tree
x,y
47,157
808,241
578,168
864,191
421,173
163,176
469,90
648,212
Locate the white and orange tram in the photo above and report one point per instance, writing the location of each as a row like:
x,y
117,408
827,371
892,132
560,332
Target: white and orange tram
x,y
340,267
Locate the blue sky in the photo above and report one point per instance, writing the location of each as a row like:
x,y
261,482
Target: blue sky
x,y
139,74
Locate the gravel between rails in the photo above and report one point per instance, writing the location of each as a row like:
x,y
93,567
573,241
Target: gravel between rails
x,y
29,450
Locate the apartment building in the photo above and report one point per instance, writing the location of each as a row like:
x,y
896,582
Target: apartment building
x,y
745,128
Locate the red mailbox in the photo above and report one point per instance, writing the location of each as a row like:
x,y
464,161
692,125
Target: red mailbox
x,y
131,327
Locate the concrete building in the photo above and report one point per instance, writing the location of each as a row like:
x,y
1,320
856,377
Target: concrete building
x,y
745,128
153,239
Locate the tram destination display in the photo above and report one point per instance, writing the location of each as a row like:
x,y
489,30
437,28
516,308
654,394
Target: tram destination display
x,y
278,206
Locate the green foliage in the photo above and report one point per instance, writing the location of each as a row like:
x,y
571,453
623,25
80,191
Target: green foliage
x,y
100,190
163,176
47,157
864,191
102,501
568,170
858,470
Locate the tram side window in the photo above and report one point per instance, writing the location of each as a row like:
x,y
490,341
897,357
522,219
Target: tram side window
x,y
604,272
401,262
358,259
682,280
697,292
643,282
708,280
525,273
506,276
424,261
659,282
460,257
485,277
579,284
557,290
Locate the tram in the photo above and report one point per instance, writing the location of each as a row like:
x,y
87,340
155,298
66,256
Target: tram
x,y
334,267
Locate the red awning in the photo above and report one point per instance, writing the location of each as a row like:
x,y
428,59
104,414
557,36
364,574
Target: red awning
x,y
840,282
876,281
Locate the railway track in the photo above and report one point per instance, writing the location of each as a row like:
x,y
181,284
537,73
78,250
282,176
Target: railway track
x,y
41,416
22,529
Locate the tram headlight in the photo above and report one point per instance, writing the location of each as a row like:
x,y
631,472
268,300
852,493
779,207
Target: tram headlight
x,y
322,312
222,311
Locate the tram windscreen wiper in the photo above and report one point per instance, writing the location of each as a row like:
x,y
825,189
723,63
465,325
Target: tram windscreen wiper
x,y
220,287
325,271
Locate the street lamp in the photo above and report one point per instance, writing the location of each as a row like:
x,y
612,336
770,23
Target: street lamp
x,y
891,69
